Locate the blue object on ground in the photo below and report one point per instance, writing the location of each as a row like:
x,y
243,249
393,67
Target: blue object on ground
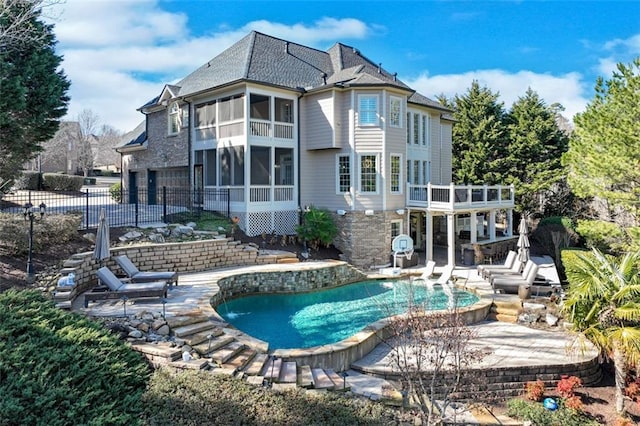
x,y
550,404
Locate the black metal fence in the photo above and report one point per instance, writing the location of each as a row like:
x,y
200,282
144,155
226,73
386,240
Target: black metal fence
x,y
124,208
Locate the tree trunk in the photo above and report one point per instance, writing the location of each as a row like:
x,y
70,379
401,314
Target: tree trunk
x,y
620,366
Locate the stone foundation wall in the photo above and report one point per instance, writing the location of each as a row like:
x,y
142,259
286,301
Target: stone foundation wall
x,y
365,240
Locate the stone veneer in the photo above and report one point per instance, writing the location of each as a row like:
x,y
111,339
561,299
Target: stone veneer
x,y
190,256
365,240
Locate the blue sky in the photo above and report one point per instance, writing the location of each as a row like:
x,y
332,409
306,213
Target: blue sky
x,y
119,53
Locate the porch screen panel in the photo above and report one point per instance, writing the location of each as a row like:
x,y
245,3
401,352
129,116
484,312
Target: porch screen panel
x,y
210,167
284,166
284,110
260,165
259,107
232,166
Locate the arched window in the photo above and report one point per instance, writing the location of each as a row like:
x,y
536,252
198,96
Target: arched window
x,y
174,119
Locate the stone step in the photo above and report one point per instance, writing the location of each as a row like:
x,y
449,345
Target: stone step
x,y
505,311
321,380
193,317
202,336
66,304
288,260
225,353
193,364
305,378
288,373
72,263
492,316
255,365
338,381
213,344
241,359
187,330
271,369
255,380
159,350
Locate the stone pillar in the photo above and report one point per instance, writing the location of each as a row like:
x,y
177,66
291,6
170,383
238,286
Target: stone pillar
x,y
492,225
473,228
428,226
509,230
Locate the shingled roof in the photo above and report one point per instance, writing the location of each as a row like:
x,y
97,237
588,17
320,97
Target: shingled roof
x,y
269,60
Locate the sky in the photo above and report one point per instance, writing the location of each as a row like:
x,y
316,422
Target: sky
x,y
119,54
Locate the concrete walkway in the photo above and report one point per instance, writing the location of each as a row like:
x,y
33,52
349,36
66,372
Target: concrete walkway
x,y
504,344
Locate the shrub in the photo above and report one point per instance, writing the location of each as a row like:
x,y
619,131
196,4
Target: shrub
x,y
574,403
58,182
60,368
317,228
115,191
534,390
567,385
199,398
540,416
27,180
47,232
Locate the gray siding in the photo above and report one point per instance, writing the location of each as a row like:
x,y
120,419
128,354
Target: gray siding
x,y
317,121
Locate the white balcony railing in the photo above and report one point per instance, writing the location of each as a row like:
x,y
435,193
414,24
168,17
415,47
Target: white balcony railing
x,y
266,129
460,197
267,193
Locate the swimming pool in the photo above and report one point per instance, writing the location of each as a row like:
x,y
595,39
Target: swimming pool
x,y
305,320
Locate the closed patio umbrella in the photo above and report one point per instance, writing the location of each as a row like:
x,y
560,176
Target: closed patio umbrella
x,y
101,251
523,241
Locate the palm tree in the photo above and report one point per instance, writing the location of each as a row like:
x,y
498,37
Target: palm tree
x,y
603,304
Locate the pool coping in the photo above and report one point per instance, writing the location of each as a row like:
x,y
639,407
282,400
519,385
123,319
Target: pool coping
x,y
339,355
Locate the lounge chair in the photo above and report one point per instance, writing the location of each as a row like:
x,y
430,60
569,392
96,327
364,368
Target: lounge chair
x,y
427,272
485,270
443,279
117,289
138,276
511,284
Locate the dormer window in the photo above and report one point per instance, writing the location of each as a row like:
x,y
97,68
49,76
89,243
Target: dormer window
x,y
174,118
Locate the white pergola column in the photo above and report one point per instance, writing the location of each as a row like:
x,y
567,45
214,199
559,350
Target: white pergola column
x,y
428,227
509,230
451,239
492,225
473,227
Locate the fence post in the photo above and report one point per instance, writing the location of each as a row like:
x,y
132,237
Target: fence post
x,y
164,204
136,209
228,202
86,211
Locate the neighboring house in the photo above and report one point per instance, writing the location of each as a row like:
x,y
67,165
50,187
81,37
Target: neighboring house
x,y
283,126
60,153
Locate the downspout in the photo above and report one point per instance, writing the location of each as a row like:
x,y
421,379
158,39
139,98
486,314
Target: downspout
x,y
299,157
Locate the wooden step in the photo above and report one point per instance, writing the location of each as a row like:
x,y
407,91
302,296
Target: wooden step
x,y
321,380
305,378
187,330
271,369
202,336
213,344
338,381
255,365
241,359
225,353
288,372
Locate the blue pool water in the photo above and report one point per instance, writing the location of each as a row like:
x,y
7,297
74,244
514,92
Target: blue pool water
x,y
321,317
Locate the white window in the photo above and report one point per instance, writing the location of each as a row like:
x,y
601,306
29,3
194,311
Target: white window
x,y
396,228
408,171
368,173
395,111
408,131
396,174
425,129
426,170
416,128
416,172
368,110
174,119
343,165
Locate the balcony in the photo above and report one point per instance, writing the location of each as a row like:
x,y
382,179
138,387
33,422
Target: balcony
x,y
460,198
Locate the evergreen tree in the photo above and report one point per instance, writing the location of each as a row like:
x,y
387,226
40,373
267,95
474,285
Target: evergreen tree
x,y
532,157
32,89
603,160
478,136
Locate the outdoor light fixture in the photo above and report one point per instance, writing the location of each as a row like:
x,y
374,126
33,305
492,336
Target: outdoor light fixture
x,y
341,212
30,215
400,211
368,212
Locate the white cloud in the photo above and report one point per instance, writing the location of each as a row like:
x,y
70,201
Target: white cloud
x,y
119,54
619,51
567,89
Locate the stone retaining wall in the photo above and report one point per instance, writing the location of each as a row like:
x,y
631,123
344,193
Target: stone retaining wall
x,y
190,256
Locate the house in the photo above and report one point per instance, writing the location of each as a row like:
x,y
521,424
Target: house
x,y
283,126
60,153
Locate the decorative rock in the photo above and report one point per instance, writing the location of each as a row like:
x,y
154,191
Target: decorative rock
x,y
131,235
157,238
135,334
163,330
163,231
528,318
143,326
552,320
534,306
251,249
182,230
90,236
192,225
157,323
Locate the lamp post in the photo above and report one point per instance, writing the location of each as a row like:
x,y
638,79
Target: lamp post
x,y
30,214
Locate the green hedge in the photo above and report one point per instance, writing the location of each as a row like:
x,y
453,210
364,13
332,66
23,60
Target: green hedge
x,y
58,368
58,182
